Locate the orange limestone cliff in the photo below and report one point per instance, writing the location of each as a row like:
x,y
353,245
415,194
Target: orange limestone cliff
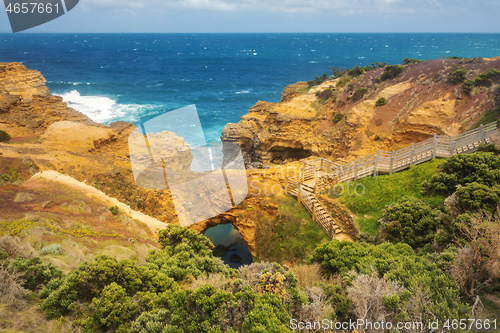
x,y
383,108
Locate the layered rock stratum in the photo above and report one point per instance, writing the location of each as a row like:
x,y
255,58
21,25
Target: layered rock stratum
x,y
420,101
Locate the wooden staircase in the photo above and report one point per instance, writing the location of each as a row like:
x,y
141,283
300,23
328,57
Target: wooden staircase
x,y
319,174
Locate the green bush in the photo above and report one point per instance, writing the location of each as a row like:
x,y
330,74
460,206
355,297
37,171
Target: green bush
x,y
486,79
483,168
337,117
359,93
343,81
34,274
410,221
467,86
458,75
198,310
4,136
154,322
355,71
174,236
317,80
395,262
268,315
114,210
59,297
324,94
391,71
407,61
489,148
381,101
113,308
475,197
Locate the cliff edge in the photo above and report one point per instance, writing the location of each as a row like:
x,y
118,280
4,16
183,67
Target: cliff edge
x,y
370,108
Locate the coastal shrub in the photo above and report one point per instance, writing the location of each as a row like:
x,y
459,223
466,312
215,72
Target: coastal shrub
x,y
355,71
154,322
52,249
411,221
458,75
113,308
487,78
483,168
407,61
398,263
4,136
268,315
88,281
467,86
359,93
343,81
479,197
391,71
33,273
317,80
337,72
381,101
324,94
337,117
489,148
175,236
114,210
378,64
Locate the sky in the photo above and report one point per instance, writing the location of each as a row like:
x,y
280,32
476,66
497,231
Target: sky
x,y
172,16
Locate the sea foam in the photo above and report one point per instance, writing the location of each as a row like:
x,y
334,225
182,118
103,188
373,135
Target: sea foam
x,y
104,109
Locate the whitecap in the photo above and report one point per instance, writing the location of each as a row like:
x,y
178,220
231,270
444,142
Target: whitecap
x,y
104,109
243,92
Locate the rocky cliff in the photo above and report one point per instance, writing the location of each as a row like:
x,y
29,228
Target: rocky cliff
x,y
27,108
340,118
47,133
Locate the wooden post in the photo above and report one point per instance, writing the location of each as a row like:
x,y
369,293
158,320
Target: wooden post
x,y
434,146
298,192
375,170
313,210
452,144
356,166
482,133
412,153
392,162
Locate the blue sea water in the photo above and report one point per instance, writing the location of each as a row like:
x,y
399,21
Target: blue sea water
x,y
114,77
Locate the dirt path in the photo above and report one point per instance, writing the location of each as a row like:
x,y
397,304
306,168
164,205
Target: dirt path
x,y
90,191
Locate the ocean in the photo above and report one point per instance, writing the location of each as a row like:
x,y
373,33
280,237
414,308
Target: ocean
x,y
113,77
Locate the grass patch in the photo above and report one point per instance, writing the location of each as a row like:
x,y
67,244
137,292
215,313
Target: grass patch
x,y
490,116
384,190
290,236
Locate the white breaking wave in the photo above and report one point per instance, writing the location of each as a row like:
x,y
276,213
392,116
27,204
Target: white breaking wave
x,y
103,109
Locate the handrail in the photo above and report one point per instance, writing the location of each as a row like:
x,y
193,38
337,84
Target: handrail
x,y
384,162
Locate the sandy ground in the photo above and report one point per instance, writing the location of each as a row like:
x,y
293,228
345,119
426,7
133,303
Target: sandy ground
x,y
90,191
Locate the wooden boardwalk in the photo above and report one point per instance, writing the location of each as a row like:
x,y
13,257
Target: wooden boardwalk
x,y
319,174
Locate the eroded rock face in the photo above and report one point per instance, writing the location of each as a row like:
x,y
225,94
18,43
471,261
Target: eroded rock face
x,y
26,106
420,102
17,80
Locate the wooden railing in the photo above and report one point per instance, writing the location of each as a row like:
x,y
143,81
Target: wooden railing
x,y
318,212
382,162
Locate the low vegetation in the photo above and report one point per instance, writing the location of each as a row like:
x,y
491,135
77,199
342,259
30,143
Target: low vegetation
x,y
383,190
381,101
4,136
